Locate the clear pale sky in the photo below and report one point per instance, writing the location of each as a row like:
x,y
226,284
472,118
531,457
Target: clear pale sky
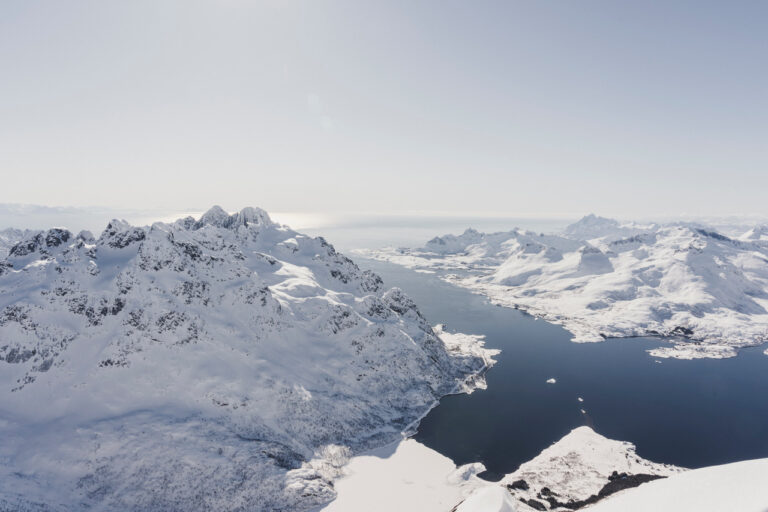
x,y
630,109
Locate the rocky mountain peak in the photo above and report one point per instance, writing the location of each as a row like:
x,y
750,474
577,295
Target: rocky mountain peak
x,y
200,369
218,217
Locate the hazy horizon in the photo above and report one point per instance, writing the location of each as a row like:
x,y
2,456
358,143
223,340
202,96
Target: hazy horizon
x,y
519,108
346,230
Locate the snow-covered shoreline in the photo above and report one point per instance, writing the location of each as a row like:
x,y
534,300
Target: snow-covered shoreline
x,y
599,279
461,344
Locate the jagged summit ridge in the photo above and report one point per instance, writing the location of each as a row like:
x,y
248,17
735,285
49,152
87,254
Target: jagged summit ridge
x,y
212,363
216,216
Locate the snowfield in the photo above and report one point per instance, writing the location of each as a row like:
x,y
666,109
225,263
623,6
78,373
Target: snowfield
x,y
582,471
579,470
404,476
741,486
220,363
602,279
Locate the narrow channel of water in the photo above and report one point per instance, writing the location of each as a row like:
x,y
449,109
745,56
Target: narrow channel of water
x,y
690,413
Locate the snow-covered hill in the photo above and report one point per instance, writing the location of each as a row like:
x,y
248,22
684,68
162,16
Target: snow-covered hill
x,y
579,470
600,278
741,486
224,363
586,471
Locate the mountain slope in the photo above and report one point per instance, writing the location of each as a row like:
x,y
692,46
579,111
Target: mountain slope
x,y
225,363
741,486
580,469
604,279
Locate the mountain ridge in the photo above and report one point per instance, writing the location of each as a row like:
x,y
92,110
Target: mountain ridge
x,y
224,363
603,279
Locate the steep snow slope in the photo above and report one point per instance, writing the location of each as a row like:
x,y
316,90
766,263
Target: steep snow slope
x,y
604,279
741,486
756,233
225,363
577,473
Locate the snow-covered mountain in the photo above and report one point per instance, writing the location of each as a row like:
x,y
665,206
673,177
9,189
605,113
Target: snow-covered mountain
x,y
223,363
586,471
10,237
756,233
601,278
580,469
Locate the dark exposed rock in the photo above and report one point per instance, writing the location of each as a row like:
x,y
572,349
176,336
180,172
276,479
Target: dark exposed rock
x,y
56,237
616,482
341,276
519,484
714,234
546,491
121,235
26,247
15,355
624,481
682,331
534,504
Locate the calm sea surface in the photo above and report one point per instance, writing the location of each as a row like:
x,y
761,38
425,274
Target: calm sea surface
x,y
689,413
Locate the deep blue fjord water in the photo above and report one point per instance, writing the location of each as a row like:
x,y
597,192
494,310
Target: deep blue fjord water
x,y
689,413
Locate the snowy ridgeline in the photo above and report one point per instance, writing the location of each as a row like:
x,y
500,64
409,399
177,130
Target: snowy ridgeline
x,y
583,470
225,363
601,279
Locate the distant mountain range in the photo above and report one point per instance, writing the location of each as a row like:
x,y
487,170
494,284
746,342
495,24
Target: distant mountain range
x,y
600,278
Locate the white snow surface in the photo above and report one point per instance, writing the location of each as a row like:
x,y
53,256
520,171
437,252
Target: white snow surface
x,y
579,465
410,476
404,476
490,498
225,363
601,279
740,486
